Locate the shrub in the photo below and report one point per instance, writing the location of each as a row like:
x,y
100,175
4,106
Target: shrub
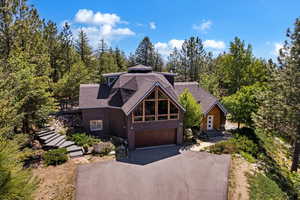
x,y
83,139
227,147
238,144
245,144
103,148
55,156
248,157
262,187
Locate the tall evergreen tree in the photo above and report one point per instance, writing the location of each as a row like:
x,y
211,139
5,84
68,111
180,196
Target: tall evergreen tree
x,y
158,62
174,62
145,53
120,60
66,50
131,60
280,110
83,48
53,47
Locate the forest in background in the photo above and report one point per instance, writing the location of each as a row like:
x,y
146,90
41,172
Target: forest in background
x,y
42,66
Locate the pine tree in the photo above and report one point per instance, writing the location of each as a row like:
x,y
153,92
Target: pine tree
x,y
145,53
131,60
158,62
67,88
103,47
15,181
83,49
279,112
189,61
120,60
53,47
66,51
174,62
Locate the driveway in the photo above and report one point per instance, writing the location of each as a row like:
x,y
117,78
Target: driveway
x,y
156,174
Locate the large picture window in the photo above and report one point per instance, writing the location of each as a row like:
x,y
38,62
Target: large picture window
x,y
156,106
96,125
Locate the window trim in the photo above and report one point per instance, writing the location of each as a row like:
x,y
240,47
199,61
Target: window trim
x,y
156,100
98,126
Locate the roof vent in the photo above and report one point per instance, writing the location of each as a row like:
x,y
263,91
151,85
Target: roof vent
x,y
139,69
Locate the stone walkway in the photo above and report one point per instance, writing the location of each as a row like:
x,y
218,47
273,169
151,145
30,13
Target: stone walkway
x,y
51,139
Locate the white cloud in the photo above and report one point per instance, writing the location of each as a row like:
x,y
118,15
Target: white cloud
x,y
204,26
214,44
105,32
165,48
277,47
89,17
99,25
152,25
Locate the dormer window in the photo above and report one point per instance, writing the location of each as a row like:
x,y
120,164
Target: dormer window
x,y
111,80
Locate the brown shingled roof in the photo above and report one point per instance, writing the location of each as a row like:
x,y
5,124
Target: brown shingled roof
x,y
126,93
203,97
130,88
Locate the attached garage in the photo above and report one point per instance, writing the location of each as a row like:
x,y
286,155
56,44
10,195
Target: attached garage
x,y
155,137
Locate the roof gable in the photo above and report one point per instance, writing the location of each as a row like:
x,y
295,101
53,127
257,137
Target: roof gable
x,y
206,100
137,99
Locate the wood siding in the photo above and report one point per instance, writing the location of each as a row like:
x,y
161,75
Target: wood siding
x,y
219,119
95,114
114,121
155,137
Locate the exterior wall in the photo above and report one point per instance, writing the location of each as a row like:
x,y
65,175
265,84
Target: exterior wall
x,y
154,125
114,122
117,122
219,119
95,114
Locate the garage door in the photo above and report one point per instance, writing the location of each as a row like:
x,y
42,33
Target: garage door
x,y
155,137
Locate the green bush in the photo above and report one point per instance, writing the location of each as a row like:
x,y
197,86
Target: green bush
x,y
55,156
262,187
224,147
238,144
245,144
83,139
248,157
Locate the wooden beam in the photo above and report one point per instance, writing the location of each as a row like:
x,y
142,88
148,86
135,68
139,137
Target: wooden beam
x,y
143,111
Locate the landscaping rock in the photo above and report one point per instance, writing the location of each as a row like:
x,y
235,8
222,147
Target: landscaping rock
x,y
103,148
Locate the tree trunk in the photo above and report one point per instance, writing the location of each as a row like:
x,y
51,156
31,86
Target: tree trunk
x,y
296,155
239,124
25,126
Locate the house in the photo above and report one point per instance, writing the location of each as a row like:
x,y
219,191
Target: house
x,y
214,111
142,106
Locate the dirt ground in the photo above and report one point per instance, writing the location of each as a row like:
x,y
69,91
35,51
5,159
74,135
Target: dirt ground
x,y
238,184
58,182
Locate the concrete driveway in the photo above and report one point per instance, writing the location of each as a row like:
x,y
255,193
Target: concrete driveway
x,y
156,174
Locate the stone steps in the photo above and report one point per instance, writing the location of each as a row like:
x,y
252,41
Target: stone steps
x,y
45,133
56,141
51,139
66,144
47,137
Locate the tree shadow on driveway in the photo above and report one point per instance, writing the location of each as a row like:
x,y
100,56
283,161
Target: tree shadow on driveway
x,y
144,156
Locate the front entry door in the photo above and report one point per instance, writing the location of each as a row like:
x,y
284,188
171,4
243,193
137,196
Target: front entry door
x,y
210,122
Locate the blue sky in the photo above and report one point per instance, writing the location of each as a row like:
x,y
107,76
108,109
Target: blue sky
x,y
262,23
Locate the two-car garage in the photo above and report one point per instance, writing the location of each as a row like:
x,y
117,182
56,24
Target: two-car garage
x,y
155,137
